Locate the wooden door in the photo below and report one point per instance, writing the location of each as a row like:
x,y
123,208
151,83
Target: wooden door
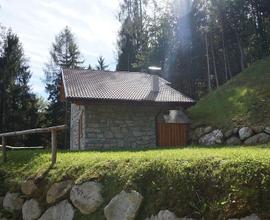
x,y
172,134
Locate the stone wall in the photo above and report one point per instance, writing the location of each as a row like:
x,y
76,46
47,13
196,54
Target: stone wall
x,y
77,119
208,135
108,126
64,199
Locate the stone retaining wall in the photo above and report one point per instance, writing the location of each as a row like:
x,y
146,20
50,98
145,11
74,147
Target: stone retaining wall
x,y
64,199
207,135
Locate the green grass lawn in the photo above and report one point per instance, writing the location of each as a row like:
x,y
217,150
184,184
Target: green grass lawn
x,y
242,101
194,181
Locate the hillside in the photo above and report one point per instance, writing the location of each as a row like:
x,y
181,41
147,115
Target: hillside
x,y
242,101
203,183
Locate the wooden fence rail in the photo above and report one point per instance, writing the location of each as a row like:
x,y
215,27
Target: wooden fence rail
x,y
52,130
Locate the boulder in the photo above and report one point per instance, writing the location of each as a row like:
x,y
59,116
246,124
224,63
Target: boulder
x,y
198,132
61,211
267,130
213,138
258,129
229,133
164,215
58,191
250,217
261,138
86,197
12,202
235,131
123,206
245,133
28,187
233,141
31,210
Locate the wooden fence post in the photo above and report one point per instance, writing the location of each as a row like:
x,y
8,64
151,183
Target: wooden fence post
x,y
54,145
4,150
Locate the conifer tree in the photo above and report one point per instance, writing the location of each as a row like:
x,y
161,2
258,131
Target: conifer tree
x,y
64,54
18,105
101,64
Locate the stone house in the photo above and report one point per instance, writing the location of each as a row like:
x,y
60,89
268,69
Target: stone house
x,y
117,109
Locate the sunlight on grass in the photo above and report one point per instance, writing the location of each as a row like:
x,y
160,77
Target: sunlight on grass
x,y
170,177
242,101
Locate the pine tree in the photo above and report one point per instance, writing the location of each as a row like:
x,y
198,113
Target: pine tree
x,y
18,105
64,54
131,42
101,64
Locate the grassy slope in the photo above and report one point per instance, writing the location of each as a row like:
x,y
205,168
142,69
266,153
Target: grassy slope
x,y
244,100
206,182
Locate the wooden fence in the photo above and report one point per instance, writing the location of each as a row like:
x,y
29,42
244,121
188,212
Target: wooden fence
x,y
52,130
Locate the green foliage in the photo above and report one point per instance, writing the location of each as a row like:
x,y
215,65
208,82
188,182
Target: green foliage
x,y
200,182
101,64
173,34
18,105
243,101
64,54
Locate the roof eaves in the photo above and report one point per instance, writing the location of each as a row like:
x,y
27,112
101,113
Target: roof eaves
x,y
64,83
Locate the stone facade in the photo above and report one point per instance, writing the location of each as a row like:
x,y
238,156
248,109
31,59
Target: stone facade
x,y
113,126
77,127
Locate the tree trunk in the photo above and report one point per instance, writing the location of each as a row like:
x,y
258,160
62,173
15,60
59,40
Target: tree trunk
x,y
214,63
224,56
208,63
229,66
240,47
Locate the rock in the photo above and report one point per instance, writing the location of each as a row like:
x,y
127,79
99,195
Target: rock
x,y
245,133
123,206
61,211
233,141
258,129
12,202
164,215
86,197
58,191
267,130
31,210
261,138
235,130
229,133
28,187
213,138
198,132
250,217
185,218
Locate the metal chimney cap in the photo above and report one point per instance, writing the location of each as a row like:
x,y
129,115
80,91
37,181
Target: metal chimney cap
x,y
154,68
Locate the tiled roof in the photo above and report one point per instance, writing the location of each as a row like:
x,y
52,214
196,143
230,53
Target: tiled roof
x,y
118,86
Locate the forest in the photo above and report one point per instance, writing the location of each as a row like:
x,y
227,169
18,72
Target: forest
x,y
199,44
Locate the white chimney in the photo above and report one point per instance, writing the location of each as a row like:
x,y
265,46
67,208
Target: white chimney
x,y
155,83
155,78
